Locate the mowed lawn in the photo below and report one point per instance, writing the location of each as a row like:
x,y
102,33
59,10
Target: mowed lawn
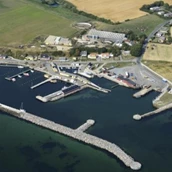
x,y
116,10
158,52
21,25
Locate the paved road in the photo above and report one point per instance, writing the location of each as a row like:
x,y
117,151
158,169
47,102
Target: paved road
x,y
150,36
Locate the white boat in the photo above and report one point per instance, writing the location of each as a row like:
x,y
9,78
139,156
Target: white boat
x,y
13,79
26,74
19,76
64,88
20,67
32,71
75,71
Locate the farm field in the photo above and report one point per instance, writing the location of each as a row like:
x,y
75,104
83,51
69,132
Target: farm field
x,y
116,10
158,52
141,25
161,67
22,21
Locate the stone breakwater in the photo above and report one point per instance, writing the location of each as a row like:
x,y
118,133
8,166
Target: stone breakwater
x,y
157,111
76,134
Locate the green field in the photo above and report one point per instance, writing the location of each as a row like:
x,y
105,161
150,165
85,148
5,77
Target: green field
x,y
22,21
140,25
161,67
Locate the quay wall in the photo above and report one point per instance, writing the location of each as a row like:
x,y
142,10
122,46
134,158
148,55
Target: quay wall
x,y
78,135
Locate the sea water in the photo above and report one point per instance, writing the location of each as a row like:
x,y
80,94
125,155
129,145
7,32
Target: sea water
x,y
29,148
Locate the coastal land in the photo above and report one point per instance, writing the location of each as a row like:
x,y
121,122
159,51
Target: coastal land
x,y
62,58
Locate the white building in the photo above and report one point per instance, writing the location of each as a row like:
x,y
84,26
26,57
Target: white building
x,y
160,13
116,38
56,40
155,8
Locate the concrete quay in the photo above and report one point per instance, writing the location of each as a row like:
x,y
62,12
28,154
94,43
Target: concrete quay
x,y
76,134
161,109
59,94
86,125
142,92
113,79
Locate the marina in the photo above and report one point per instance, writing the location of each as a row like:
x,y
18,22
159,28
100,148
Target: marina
x,y
20,73
76,134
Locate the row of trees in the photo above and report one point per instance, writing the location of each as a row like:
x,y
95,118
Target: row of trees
x,y
76,51
73,8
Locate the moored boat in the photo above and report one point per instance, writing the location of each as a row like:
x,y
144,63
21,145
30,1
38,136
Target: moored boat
x,y
26,74
13,79
20,67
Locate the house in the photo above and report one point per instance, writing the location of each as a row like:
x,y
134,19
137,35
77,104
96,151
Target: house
x,y
29,58
44,57
160,13
128,42
83,54
125,53
50,40
168,14
105,55
161,39
164,30
93,56
159,34
170,23
154,9
3,56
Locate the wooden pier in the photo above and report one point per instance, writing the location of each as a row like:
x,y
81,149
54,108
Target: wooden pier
x,y
43,82
13,76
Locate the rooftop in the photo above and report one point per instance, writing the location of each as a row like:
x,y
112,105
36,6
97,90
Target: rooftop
x,y
110,36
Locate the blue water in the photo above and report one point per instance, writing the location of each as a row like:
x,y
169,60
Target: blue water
x,y
26,147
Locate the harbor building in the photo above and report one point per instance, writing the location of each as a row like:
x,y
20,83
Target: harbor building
x,y
116,38
56,40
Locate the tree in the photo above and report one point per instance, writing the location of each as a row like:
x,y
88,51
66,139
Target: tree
x,y
115,51
170,39
125,47
136,50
